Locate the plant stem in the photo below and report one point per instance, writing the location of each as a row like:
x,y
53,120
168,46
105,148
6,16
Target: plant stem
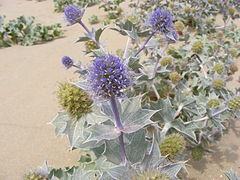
x,y
118,126
155,91
126,48
145,43
86,29
206,117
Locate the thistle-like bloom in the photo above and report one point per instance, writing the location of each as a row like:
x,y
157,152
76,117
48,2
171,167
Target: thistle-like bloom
x,y
67,61
161,20
108,76
73,14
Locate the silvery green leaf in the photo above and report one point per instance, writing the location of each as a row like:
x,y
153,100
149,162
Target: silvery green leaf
x,y
152,159
83,85
96,116
133,116
133,63
153,43
98,52
109,170
101,132
135,145
173,169
60,123
231,175
165,113
98,33
81,39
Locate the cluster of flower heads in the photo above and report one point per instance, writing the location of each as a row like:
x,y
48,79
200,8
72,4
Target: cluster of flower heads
x,y
73,14
108,76
161,20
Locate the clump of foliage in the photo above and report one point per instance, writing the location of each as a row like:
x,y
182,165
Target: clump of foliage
x,y
93,19
59,5
113,9
25,32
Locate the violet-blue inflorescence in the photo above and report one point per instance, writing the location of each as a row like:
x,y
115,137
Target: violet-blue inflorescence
x,y
67,61
73,14
108,77
161,20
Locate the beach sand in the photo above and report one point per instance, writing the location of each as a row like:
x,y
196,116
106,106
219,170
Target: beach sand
x,y
28,81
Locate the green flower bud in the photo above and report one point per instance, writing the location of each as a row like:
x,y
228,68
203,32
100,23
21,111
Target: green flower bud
x,y
218,83
166,61
233,52
218,68
179,26
73,100
213,103
150,175
197,47
197,153
174,77
187,9
90,46
233,68
234,104
208,21
232,10
193,10
34,176
171,5
210,1
172,146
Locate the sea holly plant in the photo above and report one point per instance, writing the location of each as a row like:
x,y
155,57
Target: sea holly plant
x,y
127,111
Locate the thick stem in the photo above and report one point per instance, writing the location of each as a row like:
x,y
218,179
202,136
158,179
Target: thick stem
x,y
155,91
145,43
86,29
116,113
120,127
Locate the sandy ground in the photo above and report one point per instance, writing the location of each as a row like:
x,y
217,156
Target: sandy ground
x,y
28,81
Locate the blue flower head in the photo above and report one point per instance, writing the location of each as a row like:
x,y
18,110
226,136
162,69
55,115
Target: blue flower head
x,y
108,76
73,14
161,20
67,62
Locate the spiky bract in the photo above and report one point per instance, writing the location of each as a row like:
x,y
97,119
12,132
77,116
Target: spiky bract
x,y
151,175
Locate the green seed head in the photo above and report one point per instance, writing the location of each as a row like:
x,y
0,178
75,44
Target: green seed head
x,y
187,9
233,68
218,83
193,10
174,77
172,146
34,176
216,47
179,26
150,175
232,10
73,100
197,47
234,104
210,1
213,103
197,153
166,61
171,49
218,68
208,21
90,46
171,5
233,52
